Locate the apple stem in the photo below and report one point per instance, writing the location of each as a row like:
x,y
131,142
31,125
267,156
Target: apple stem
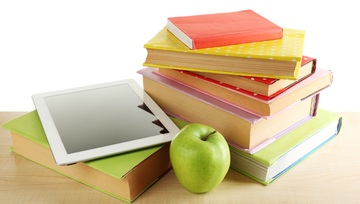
x,y
213,132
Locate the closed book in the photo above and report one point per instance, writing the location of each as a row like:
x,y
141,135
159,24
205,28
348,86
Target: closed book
x,y
279,157
264,107
241,128
124,176
261,87
220,29
273,58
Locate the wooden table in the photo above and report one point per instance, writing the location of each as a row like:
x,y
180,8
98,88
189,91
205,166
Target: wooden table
x,y
330,175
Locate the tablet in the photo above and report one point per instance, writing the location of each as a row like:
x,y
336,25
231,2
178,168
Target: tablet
x,y
100,120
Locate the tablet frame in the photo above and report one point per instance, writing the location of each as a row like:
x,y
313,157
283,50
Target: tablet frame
x,y
57,147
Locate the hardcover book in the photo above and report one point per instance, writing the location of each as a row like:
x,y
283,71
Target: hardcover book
x,y
258,105
221,29
261,87
273,58
241,128
277,158
124,176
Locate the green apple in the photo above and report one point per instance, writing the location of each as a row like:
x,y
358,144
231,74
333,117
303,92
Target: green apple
x,y
200,157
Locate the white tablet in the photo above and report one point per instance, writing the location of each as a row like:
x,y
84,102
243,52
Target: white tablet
x,y
90,122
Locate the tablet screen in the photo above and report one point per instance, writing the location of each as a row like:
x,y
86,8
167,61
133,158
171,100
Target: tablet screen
x,y
100,120
96,118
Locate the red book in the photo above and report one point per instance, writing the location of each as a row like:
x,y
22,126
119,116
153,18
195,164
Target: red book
x,y
260,87
258,105
221,29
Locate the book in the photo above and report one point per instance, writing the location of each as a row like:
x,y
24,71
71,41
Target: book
x,y
279,157
221,29
258,87
247,131
318,81
124,176
273,58
274,160
262,87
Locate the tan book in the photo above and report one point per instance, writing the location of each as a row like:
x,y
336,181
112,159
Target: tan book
x,y
238,126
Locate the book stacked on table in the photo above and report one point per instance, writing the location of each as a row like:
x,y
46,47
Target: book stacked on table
x,y
124,176
249,79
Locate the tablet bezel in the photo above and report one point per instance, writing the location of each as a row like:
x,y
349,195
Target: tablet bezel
x,y
57,147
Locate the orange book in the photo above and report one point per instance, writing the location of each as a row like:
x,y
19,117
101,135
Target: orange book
x,y
221,29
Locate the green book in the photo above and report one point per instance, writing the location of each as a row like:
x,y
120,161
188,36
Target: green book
x,y
124,176
277,158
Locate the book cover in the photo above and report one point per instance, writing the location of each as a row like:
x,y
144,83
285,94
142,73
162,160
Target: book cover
x,y
221,29
277,158
238,126
273,59
263,107
124,176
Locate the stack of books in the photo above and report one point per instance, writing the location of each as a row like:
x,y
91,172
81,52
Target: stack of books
x,y
253,84
249,79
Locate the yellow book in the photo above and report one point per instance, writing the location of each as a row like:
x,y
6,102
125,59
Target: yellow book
x,y
273,59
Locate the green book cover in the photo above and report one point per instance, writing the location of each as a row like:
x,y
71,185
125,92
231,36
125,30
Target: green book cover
x,y
117,166
29,126
299,143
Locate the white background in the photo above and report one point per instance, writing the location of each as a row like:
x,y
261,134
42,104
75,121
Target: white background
x,y
51,45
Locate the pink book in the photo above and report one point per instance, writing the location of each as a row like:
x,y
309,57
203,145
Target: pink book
x,y
183,102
